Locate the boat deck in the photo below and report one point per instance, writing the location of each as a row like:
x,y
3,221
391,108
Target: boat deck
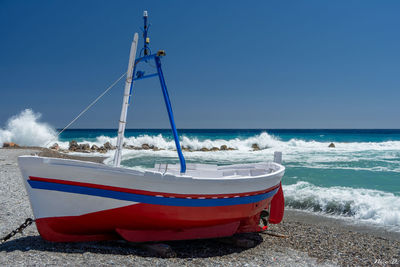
x,y
228,171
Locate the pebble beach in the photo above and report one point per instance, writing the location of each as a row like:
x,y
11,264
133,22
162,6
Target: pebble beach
x,y
308,240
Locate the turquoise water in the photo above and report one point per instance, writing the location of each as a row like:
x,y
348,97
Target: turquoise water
x,y
358,179
331,135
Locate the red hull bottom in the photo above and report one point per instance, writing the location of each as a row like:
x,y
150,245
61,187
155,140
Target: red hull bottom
x,y
148,222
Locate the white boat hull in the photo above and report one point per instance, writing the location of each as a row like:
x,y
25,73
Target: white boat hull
x,y
76,200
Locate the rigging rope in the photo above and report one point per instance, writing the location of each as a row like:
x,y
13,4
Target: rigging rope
x,y
87,108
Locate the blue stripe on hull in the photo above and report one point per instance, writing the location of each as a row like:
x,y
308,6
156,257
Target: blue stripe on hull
x,y
182,202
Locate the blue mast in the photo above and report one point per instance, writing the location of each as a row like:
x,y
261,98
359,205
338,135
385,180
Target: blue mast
x,y
170,114
145,38
141,75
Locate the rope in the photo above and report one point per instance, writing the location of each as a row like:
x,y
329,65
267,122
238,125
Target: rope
x,y
87,108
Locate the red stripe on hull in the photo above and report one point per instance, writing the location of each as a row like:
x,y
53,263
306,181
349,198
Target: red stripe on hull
x,y
155,220
149,193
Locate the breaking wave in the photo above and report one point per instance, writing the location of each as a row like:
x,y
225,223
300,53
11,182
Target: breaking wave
x,y
366,205
262,140
369,156
26,130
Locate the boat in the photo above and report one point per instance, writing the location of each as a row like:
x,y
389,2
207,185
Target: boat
x,y
74,200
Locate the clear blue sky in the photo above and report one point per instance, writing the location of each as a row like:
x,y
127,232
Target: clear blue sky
x,y
236,64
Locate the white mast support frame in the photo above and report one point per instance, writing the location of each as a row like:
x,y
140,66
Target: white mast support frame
x,y
125,102
278,157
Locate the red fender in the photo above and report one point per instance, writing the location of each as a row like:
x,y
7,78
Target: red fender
x,y
277,207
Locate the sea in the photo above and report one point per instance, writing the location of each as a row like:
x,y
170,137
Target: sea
x,y
358,180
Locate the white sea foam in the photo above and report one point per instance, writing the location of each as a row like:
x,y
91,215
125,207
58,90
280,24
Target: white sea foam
x,y
26,130
311,154
366,205
263,140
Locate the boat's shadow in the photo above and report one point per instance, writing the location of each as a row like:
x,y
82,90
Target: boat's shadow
x,y
181,249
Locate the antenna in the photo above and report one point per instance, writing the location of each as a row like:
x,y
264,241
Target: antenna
x,y
145,29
